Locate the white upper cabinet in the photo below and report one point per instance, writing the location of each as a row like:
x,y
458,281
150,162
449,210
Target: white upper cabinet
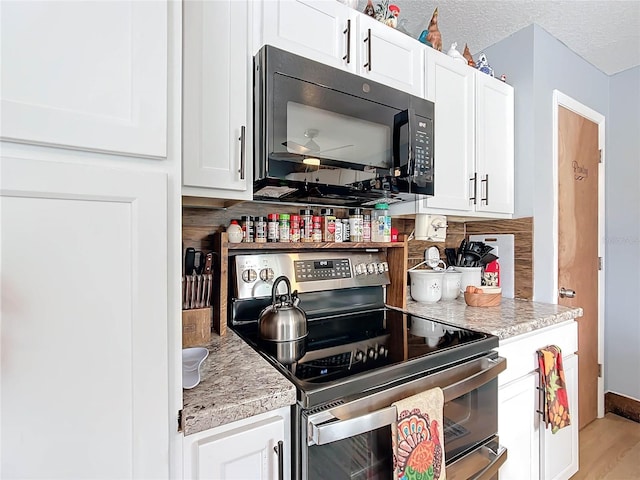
x,y
494,145
321,30
331,33
473,144
390,57
86,75
217,88
451,86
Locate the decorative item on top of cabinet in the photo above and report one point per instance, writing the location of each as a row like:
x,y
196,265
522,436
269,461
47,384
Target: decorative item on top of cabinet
x,y
467,55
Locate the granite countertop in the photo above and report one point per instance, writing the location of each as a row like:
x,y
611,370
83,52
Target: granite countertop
x,y
512,317
236,383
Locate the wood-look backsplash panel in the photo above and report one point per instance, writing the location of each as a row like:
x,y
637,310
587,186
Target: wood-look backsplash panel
x,y
522,229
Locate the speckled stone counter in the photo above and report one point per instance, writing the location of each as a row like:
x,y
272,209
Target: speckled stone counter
x,y
235,383
512,317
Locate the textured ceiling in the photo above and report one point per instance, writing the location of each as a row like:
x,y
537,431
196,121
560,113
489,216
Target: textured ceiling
x,y
606,33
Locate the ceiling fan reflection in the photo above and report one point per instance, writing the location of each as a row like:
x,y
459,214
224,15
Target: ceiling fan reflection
x,y
311,147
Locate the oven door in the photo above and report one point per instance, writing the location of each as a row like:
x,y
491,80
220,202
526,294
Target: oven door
x,y
353,440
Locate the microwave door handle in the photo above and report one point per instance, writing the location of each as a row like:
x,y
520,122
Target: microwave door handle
x,y
405,117
458,389
332,432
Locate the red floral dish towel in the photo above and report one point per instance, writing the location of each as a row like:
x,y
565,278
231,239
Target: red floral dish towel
x,y
556,404
418,439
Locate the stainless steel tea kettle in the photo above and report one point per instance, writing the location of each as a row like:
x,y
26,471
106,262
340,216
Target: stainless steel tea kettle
x,y
283,320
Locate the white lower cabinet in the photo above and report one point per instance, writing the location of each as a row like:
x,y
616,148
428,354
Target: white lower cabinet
x,y
256,448
533,451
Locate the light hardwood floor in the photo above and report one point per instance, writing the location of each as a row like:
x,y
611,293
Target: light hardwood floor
x,y
610,449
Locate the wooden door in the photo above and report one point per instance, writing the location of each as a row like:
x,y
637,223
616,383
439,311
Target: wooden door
x,y
578,265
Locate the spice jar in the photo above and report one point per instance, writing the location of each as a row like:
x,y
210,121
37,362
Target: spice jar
x,y
260,228
247,228
328,225
285,228
295,229
346,230
356,225
366,227
273,226
306,225
381,223
316,234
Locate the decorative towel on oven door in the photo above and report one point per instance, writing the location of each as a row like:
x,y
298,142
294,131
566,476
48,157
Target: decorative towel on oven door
x,y
555,407
418,439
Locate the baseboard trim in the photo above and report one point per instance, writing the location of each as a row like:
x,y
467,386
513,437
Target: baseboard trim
x,y
623,406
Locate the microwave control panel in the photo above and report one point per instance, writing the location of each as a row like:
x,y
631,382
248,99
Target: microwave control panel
x,y
423,163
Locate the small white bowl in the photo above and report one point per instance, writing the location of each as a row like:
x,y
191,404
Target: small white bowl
x,y
192,358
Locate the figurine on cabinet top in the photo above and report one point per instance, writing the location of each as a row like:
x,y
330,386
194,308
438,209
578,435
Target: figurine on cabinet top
x,y
455,54
483,65
467,54
432,36
369,10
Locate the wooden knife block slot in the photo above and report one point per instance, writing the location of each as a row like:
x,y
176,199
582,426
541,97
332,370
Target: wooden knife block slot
x,y
196,327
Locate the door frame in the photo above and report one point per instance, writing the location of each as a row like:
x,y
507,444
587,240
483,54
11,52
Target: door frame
x,y
562,100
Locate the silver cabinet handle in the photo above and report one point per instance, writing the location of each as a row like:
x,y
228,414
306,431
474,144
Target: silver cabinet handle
x,y
332,432
486,189
347,32
476,380
474,179
279,449
368,41
566,293
242,148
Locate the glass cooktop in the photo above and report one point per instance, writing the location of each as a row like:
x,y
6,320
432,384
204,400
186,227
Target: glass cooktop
x,y
361,350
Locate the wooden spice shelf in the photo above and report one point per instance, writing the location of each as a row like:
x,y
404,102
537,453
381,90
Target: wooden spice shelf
x,y
397,257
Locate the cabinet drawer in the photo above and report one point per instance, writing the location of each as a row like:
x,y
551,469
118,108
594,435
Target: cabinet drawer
x,y
520,351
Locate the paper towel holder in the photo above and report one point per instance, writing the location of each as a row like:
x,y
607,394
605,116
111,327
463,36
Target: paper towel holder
x,y
431,227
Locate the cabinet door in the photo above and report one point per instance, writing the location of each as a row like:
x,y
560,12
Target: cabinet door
x,y
518,428
390,57
560,450
450,85
87,75
247,452
494,145
84,321
216,128
315,29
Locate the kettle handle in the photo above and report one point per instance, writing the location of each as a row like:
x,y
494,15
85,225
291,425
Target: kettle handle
x,y
274,290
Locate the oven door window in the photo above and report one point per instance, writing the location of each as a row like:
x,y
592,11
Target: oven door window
x,y
367,456
322,135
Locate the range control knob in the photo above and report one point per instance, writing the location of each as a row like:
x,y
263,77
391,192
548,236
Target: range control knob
x,y
361,269
249,275
372,353
385,266
382,351
380,267
359,356
267,274
372,268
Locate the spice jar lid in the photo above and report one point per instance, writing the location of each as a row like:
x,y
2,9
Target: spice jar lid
x,y
306,211
382,206
355,211
284,216
326,211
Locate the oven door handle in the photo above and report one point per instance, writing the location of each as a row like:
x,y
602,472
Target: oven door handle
x,y
334,431
492,455
476,380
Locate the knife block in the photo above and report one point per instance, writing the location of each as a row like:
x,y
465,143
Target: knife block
x,y
196,327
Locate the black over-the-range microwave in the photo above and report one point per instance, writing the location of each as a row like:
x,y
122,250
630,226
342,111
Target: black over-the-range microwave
x,y
327,136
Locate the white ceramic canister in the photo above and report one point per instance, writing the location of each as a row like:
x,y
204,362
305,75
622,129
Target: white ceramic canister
x,y
451,283
470,276
426,285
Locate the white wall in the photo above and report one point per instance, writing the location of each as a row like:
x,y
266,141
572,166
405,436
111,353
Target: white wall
x,y
536,63
622,241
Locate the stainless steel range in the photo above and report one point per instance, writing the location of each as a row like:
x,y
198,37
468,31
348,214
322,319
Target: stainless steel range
x,y
359,357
